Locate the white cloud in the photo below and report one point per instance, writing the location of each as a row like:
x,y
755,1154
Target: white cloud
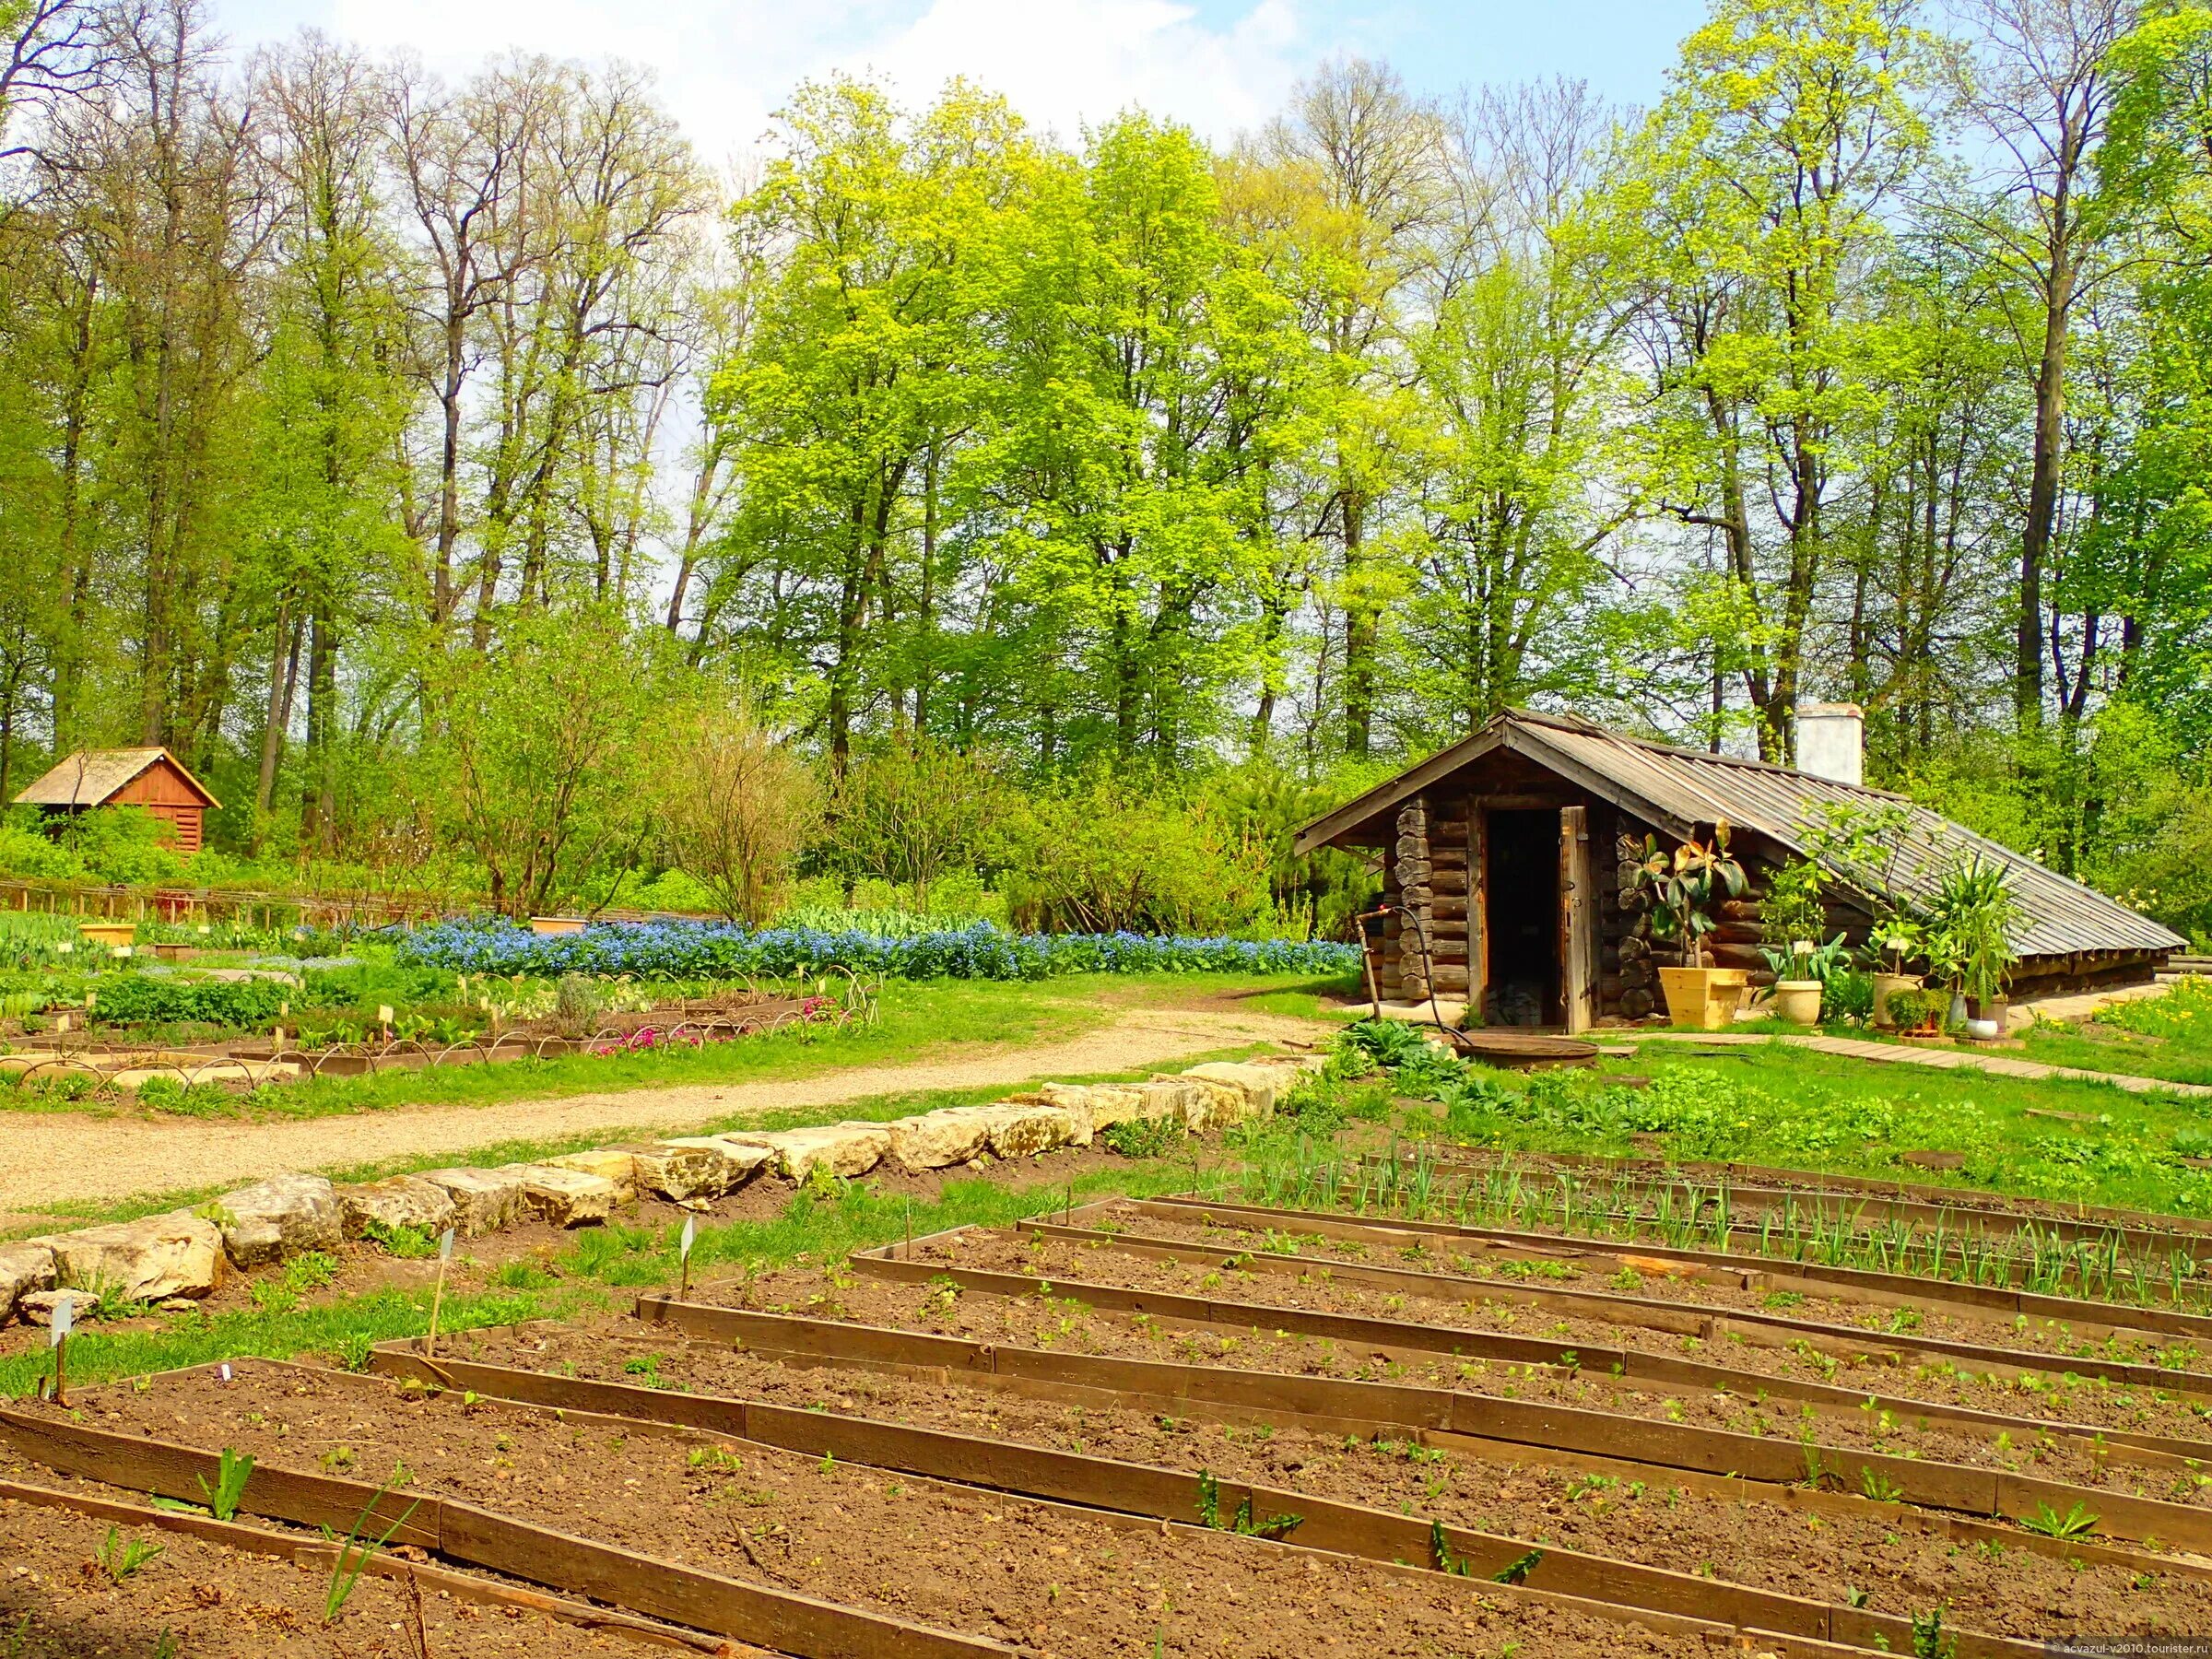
x,y
724,64
1063,63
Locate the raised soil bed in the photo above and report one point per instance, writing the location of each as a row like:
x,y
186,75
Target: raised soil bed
x,y
1031,1576
1825,1547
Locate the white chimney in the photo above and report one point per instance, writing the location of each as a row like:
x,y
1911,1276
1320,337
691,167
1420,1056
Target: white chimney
x,y
1831,741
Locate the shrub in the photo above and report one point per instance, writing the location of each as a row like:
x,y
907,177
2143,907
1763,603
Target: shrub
x,y
1910,1008
1847,996
736,808
1111,855
912,815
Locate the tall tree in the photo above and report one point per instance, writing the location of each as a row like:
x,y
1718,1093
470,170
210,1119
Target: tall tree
x,y
2037,84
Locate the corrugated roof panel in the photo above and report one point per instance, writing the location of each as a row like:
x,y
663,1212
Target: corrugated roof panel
x,y
2061,915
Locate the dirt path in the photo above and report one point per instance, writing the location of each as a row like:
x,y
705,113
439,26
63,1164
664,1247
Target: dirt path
x,y
49,1158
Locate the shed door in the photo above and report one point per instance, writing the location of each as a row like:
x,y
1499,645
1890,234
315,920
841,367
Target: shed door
x,y
1578,922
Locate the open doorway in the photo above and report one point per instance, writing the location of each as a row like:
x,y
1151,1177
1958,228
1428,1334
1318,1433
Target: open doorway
x,y
1521,918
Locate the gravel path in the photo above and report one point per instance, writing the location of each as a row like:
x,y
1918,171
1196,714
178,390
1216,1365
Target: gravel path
x,y
49,1157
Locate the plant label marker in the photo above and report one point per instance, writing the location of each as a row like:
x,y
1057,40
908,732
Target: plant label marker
x,y
683,1254
64,1319
907,1254
445,1255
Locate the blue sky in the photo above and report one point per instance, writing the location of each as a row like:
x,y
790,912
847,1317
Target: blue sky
x,y
1221,64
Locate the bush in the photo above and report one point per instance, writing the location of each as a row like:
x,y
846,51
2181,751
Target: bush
x,y
1111,855
1910,1008
912,815
736,807
714,950
1847,998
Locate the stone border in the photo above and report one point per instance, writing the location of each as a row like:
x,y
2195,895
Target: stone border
x,y
185,1253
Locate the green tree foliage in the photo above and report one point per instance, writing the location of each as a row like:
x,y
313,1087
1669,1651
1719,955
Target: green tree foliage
x,y
425,461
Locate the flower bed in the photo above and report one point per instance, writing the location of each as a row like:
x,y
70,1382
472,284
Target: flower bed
x,y
717,950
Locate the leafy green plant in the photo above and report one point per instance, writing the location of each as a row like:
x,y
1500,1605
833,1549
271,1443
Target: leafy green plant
x,y
1928,1639
2078,1522
409,1244
1879,1486
1141,1138
118,1556
1685,883
1911,1009
1516,1571
232,1470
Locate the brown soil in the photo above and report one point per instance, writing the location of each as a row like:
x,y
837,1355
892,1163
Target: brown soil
x,y
1028,1574
1060,1320
1902,1568
56,1602
2089,1337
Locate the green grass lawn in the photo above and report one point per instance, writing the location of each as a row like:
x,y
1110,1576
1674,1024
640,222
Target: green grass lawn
x,y
914,1021
1791,1108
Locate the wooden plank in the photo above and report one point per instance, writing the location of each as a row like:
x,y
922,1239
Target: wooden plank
x,y
173,1471
318,1556
1578,921
784,1619
1478,917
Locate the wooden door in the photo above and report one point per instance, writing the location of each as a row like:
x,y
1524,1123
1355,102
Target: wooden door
x,y
1578,922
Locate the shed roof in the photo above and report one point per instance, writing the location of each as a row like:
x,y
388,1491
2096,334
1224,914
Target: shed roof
x,y
1679,789
91,777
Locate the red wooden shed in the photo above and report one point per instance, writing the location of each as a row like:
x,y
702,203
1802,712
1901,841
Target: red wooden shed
x,y
151,777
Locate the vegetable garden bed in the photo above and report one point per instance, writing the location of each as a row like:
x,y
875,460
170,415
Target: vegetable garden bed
x,y
1830,1554
853,1560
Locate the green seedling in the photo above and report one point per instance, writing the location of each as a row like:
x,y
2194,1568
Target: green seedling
x,y
232,1470
1879,1486
359,1550
1928,1639
2076,1522
1516,1571
118,1556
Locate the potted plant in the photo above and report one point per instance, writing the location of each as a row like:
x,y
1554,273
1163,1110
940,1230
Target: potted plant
x,y
1792,918
1970,922
1684,885
1898,939
1911,1011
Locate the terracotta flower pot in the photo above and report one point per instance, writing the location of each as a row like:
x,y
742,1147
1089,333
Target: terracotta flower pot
x,y
1798,1001
1705,999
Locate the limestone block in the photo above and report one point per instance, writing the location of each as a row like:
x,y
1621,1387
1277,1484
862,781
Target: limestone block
x,y
285,1215
37,1306
843,1149
611,1164
158,1256
1258,1083
741,1160
25,1269
684,1172
1100,1105
938,1140
484,1200
1020,1130
403,1201
1174,1098
567,1197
